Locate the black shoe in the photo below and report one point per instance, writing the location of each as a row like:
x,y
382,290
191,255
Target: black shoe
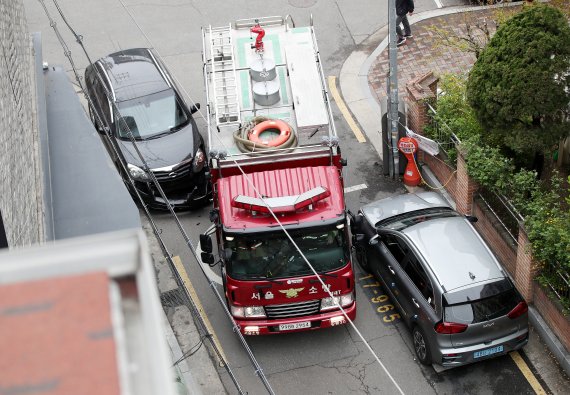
x,y
401,41
409,35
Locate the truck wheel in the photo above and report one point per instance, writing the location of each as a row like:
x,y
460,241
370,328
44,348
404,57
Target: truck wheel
x,y
420,346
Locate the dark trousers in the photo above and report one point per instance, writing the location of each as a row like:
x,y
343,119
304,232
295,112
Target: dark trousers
x,y
403,19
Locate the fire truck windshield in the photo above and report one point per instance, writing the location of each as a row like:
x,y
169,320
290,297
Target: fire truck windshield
x,y
272,255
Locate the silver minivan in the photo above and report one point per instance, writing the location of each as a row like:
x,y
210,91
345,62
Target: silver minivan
x,y
450,289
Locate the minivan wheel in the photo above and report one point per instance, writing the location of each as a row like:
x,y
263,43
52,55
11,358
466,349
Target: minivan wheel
x,y
421,347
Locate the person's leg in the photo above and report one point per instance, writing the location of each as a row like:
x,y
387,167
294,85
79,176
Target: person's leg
x,y
407,29
398,28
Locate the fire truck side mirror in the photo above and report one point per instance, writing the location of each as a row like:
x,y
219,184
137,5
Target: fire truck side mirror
x,y
207,257
206,243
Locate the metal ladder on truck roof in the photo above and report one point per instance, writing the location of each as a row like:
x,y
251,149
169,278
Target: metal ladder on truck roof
x,y
224,81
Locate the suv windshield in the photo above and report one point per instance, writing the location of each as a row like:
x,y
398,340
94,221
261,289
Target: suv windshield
x,y
152,115
483,309
272,255
403,221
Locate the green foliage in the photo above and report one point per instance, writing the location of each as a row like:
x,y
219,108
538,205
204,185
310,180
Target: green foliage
x,y
547,219
453,110
488,166
518,85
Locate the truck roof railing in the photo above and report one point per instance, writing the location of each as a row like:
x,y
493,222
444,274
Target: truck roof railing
x,y
282,204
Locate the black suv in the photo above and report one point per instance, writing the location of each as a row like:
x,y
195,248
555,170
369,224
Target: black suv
x,y
131,90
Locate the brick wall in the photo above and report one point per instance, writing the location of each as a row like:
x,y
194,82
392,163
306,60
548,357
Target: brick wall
x,y
487,227
558,323
466,187
516,258
444,173
20,173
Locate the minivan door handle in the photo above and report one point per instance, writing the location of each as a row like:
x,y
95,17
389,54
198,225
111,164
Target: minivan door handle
x,y
391,270
416,303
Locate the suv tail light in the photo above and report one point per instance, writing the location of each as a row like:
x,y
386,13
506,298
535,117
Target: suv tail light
x,y
450,327
519,310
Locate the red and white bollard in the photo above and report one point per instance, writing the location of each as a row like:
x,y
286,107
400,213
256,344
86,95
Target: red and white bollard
x,y
409,146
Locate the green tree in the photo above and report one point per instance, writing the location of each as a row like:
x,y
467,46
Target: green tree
x,y
519,86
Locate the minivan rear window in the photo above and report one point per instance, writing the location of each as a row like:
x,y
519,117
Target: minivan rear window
x,y
483,309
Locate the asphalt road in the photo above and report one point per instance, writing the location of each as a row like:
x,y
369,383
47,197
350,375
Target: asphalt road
x,y
333,361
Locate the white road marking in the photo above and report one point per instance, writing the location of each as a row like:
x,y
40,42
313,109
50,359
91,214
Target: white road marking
x,y
355,188
438,3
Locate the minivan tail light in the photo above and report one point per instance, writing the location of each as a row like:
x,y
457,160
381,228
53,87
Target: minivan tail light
x,y
449,328
519,310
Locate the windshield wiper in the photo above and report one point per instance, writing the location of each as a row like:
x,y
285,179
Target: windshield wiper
x,y
266,279
316,280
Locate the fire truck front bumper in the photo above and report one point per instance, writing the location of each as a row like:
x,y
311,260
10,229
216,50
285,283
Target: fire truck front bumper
x,y
298,324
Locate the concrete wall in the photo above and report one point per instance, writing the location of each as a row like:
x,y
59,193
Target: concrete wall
x,y
20,173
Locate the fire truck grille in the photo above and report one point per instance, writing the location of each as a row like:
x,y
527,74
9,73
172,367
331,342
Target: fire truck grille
x,y
293,309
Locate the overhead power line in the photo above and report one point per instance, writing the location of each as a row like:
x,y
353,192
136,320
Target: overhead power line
x,y
259,371
123,165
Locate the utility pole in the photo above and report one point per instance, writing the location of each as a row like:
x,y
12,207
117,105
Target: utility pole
x,y
393,90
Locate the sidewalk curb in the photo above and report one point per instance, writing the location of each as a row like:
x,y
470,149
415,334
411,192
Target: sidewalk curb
x,y
552,342
361,101
187,380
353,79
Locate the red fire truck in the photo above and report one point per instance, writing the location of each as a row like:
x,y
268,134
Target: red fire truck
x,y
275,165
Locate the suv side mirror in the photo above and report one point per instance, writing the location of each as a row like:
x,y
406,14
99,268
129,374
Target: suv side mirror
x,y
206,244
194,108
471,218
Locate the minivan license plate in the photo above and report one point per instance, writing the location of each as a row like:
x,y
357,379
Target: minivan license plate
x,y
487,352
296,325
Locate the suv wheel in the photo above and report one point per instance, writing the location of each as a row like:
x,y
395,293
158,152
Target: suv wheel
x,y
421,347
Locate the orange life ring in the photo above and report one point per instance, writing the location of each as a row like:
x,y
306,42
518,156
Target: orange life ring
x,y
284,132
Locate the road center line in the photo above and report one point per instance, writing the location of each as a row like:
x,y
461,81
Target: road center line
x,y
190,288
344,110
527,373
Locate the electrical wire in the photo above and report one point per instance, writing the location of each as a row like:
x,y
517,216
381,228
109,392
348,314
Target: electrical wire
x,y
260,196
168,256
193,350
236,329
259,372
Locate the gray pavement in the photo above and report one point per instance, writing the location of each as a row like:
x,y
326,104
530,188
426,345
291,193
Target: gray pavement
x,y
346,356
363,88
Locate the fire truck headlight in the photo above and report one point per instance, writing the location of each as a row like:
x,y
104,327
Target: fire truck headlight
x,y
332,303
254,312
248,312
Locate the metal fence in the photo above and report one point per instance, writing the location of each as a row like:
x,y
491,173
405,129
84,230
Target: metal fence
x,y
443,135
557,279
506,216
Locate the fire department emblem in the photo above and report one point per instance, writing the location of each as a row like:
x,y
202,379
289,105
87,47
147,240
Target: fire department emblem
x,y
291,292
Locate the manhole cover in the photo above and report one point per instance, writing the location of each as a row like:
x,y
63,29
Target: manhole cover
x,y
173,298
302,3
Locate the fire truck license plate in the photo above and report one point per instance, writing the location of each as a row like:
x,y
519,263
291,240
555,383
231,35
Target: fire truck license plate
x,y
296,325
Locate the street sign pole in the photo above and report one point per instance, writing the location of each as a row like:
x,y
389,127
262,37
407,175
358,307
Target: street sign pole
x,y
393,89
